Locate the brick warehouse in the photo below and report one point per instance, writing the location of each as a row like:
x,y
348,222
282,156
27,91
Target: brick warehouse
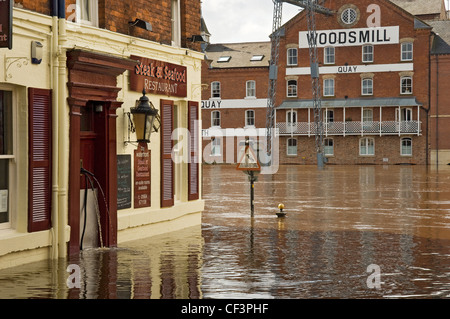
x,y
234,103
375,93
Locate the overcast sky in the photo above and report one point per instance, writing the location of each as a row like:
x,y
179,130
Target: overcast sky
x,y
231,21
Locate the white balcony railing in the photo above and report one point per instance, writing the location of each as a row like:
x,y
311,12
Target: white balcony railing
x,y
352,128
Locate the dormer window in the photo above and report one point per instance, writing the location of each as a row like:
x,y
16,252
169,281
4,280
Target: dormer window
x,y
224,59
257,58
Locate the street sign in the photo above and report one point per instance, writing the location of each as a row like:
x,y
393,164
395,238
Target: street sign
x,y
6,17
249,161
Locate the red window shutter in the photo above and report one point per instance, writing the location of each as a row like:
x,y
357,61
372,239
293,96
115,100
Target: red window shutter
x,y
40,159
193,166
167,167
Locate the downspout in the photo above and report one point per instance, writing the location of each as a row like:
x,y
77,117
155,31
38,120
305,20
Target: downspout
x,y
63,120
437,109
55,131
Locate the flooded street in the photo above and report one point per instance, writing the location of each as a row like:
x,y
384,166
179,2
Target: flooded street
x,y
350,232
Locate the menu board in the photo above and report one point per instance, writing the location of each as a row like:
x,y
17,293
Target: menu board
x,y
142,176
123,181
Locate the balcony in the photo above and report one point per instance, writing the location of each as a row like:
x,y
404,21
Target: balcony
x,y
352,128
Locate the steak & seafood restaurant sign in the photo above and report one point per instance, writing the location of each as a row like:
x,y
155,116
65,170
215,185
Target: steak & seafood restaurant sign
x,y
6,16
158,77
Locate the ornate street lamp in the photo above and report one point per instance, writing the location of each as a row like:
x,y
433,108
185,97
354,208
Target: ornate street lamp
x,y
143,118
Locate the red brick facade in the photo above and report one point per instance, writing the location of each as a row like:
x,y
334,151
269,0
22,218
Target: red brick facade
x,y
115,15
348,88
440,105
397,119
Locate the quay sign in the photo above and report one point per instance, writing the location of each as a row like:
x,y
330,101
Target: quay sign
x,y
158,77
351,37
6,17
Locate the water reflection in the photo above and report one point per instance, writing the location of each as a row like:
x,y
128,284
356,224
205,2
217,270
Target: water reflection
x,y
166,266
340,220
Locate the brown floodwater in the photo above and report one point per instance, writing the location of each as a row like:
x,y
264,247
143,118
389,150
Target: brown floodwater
x,y
341,222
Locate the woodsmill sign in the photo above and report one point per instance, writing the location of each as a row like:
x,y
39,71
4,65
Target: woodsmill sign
x,y
6,16
351,37
158,77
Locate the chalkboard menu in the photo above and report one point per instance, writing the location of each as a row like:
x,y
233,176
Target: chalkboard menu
x,y
123,181
142,176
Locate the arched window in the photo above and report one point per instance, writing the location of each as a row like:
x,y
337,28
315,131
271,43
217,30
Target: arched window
x,y
292,88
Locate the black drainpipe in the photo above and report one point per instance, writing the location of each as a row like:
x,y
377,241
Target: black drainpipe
x,y
437,109
59,9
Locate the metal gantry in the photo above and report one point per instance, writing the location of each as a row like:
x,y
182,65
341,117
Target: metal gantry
x,y
312,7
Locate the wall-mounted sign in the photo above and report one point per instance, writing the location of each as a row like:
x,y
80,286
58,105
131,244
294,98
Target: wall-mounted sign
x,y
351,37
142,176
158,77
123,181
349,69
234,103
6,17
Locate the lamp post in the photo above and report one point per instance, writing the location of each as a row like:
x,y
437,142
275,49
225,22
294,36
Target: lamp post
x,y
143,117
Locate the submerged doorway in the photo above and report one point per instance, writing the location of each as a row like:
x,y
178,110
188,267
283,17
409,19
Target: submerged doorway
x,y
93,146
93,213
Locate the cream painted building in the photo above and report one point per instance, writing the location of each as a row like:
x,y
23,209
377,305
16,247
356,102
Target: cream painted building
x,y
71,110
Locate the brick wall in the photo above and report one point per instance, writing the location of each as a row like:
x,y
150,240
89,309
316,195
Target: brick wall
x,y
440,92
386,84
40,6
346,151
233,81
350,84
114,16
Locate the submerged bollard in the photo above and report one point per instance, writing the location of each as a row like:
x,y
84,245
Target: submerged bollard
x,y
281,213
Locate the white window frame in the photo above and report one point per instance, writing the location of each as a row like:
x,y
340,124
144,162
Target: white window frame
x,y
216,87
292,56
327,88
93,12
327,148
290,117
176,23
407,51
403,88
289,92
367,57
409,147
367,90
366,146
405,115
367,115
250,89
217,118
249,117
329,55
328,116
216,147
290,148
